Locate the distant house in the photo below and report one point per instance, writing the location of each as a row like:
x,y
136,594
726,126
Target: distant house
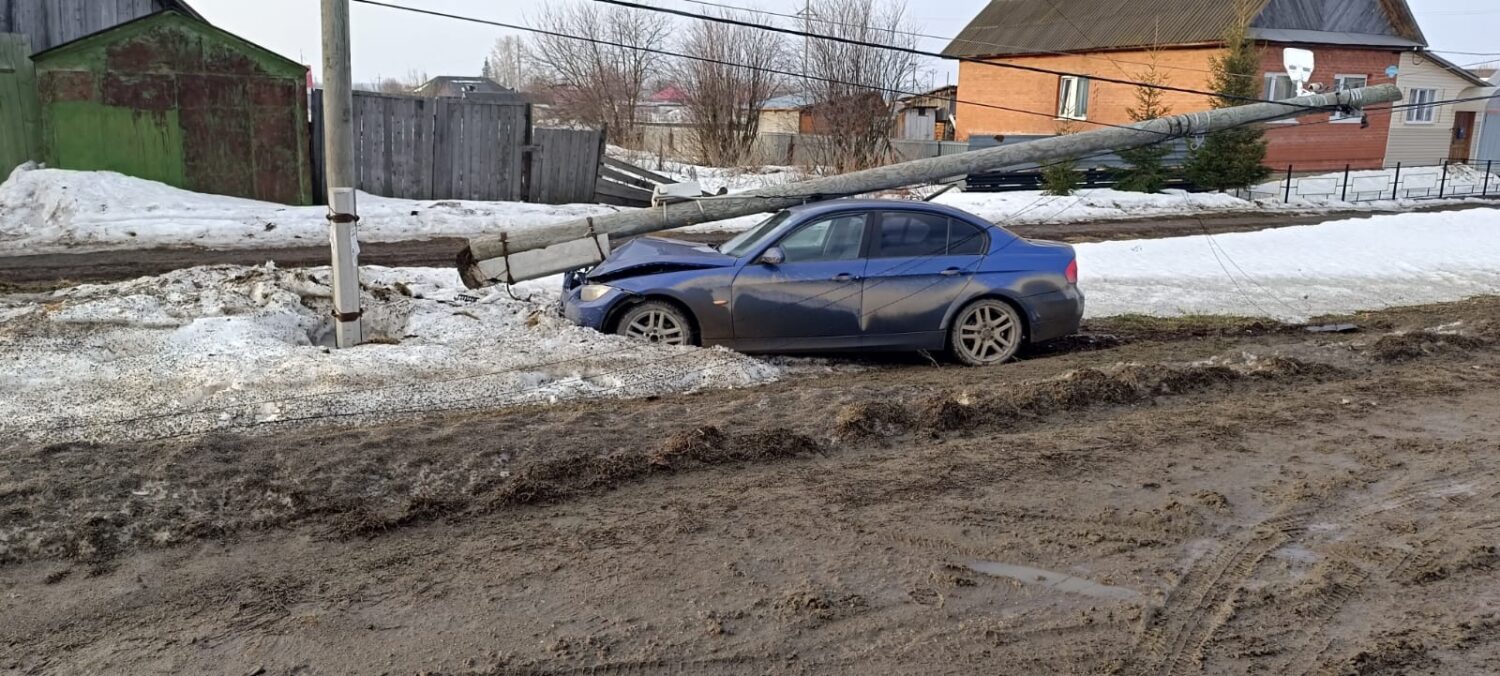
x,y
475,88
783,114
1356,43
170,98
927,117
49,23
1434,134
667,106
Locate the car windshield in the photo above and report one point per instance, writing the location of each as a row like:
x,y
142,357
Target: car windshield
x,y
749,239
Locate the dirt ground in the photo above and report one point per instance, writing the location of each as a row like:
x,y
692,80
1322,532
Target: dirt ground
x,y
1156,497
44,272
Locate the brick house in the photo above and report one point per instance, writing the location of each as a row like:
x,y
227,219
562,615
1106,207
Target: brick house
x,y
1356,43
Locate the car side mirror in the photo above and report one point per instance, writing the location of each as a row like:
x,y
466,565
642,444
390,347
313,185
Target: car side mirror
x,y
772,256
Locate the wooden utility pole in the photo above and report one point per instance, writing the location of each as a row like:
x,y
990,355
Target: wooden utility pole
x,y
338,143
546,250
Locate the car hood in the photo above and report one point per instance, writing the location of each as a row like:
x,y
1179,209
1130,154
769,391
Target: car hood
x,y
653,255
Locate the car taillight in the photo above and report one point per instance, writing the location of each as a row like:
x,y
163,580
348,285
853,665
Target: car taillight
x,y
1072,271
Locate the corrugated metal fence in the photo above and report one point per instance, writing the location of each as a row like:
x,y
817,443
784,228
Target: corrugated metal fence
x,y
20,119
450,148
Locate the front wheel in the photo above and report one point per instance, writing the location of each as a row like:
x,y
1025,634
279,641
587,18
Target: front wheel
x,y
656,322
986,332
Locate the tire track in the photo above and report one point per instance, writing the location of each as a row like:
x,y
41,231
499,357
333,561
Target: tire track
x,y
1175,638
1177,633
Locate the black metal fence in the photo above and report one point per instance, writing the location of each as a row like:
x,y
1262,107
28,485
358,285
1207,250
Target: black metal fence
x,y
1449,180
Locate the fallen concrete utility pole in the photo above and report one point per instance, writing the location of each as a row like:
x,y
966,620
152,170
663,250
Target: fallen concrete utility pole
x,y
536,252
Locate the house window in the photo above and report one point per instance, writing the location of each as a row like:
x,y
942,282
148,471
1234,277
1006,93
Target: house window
x,y
1073,98
1421,111
1279,87
1345,83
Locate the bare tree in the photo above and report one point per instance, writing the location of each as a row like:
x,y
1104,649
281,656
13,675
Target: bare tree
x,y
395,85
506,63
599,83
853,87
726,83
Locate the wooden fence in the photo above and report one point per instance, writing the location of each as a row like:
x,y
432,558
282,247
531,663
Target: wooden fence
x,y
464,149
20,117
565,165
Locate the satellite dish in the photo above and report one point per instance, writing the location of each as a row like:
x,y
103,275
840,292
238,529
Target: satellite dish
x,y
1299,67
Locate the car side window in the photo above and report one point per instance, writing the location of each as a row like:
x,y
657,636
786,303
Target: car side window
x,y
910,234
831,239
965,239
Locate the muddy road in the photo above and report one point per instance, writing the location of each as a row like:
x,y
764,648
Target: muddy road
x,y
44,272
1162,497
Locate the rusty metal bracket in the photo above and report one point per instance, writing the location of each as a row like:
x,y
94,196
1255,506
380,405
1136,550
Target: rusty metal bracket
x,y
505,255
347,316
594,235
342,218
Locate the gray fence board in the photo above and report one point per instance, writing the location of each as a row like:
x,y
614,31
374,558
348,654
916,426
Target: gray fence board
x,y
447,148
566,164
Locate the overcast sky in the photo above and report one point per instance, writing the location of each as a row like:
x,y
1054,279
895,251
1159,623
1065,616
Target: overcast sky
x,y
390,43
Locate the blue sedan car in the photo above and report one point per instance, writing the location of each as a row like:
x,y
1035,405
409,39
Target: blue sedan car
x,y
841,275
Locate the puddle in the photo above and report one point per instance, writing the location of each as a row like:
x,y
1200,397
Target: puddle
x,y
1051,580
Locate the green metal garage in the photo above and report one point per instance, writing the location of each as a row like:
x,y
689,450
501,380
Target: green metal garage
x,y
170,98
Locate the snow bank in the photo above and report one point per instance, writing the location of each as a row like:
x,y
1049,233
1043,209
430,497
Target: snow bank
x,y
51,210
240,345
1298,272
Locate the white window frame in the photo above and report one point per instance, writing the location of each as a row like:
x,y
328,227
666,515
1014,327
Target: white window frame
x,y
1420,109
1339,84
1072,98
1271,94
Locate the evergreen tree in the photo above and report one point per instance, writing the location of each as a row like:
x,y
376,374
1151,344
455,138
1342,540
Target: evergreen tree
x,y
1145,169
1061,178
1232,158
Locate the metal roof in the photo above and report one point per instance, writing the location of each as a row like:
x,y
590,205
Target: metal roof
x,y
1016,27
1469,75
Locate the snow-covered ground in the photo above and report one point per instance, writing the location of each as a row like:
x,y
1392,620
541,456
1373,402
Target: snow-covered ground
x,y
240,346
54,210
1298,272
50,211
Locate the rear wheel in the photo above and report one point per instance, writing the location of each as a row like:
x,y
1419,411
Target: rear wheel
x,y
657,322
986,332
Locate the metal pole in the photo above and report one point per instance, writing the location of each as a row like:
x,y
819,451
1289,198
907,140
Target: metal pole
x,y
484,261
1288,196
1443,184
343,212
1396,184
1345,196
1485,192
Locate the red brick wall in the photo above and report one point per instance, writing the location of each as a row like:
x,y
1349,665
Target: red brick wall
x,y
986,84
1313,144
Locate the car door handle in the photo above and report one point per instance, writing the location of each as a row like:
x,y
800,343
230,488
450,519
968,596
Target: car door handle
x,y
845,277
951,272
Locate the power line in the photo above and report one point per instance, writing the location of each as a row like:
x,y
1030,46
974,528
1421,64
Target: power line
x,y
935,55
663,52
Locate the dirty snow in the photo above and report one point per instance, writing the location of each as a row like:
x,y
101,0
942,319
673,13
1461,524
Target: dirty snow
x,y
1299,272
54,210
239,346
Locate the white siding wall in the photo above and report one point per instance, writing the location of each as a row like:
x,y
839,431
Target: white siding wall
x,y
1421,143
780,121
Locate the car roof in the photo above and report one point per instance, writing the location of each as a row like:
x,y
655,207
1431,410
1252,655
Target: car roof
x,y
829,206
